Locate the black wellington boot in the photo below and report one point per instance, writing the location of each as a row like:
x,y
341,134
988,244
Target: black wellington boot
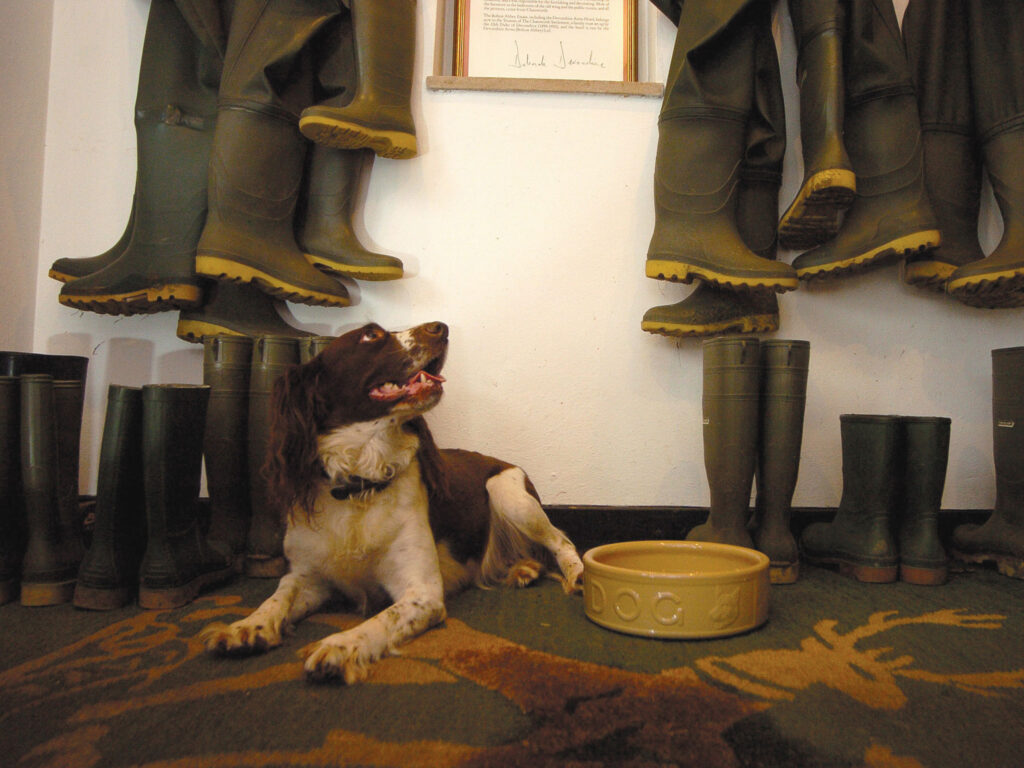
x,y
732,391
783,396
922,556
109,574
179,561
12,505
859,538
829,183
1000,539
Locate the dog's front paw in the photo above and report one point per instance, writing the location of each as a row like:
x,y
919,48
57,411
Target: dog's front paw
x,y
337,660
572,578
240,639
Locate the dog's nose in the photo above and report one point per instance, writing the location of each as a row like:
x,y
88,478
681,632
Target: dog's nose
x,y
437,329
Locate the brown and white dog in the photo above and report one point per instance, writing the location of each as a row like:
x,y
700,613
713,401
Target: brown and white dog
x,y
377,513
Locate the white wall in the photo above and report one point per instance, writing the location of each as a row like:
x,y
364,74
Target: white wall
x,y
524,225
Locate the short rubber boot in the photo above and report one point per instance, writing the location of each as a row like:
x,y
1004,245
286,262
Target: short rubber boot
x,y
378,116
175,112
66,269
12,505
890,217
50,564
784,367
922,557
226,363
702,139
271,357
859,538
327,209
179,561
730,402
240,309
937,46
829,183
108,576
1000,539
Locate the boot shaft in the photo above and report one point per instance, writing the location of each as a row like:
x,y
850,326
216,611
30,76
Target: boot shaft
x,y
871,450
1008,432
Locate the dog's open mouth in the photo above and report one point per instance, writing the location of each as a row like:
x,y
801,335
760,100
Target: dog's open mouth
x,y
421,385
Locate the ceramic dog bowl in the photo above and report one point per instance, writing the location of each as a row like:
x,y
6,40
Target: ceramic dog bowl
x,y
676,589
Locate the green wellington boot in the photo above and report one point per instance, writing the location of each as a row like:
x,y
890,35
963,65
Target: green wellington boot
x,y
829,183
12,505
226,364
378,115
66,269
271,357
109,574
891,216
922,556
179,561
312,346
239,309
784,365
1000,539
937,45
732,389
859,539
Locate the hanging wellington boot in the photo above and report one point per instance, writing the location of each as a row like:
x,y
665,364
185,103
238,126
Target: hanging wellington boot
x,y
996,31
937,46
226,364
175,110
829,184
67,269
109,574
12,505
890,216
732,384
1000,539
784,367
702,136
179,561
241,309
378,115
859,539
272,356
922,556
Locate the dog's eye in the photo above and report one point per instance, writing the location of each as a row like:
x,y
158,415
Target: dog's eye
x,y
372,334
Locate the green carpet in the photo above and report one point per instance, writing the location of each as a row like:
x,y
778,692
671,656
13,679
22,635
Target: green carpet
x,y
843,674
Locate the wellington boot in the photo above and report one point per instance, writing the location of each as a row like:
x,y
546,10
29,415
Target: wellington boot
x,y
226,364
59,367
109,574
378,116
67,269
783,396
922,556
240,309
311,346
179,561
12,505
1000,539
326,210
69,401
859,539
829,184
272,356
732,383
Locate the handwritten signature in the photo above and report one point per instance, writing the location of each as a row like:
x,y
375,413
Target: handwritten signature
x,y
524,60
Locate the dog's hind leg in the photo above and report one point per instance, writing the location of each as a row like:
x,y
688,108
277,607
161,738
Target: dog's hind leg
x,y
517,518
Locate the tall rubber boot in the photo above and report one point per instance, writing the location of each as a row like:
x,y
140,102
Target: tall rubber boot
x,y
829,183
49,567
226,364
1000,539
312,346
179,561
175,111
922,556
12,505
241,309
859,538
69,401
732,389
937,46
891,216
784,365
271,357
996,32
109,574
378,116
60,367
702,136
66,269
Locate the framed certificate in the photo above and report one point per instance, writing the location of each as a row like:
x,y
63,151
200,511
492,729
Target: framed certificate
x,y
546,39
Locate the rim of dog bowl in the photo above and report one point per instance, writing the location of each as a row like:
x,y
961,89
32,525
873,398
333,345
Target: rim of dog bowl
x,y
750,561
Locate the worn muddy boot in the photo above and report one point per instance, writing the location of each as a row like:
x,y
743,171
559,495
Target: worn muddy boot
x,y
12,505
179,561
732,389
783,396
922,556
109,574
1000,539
240,309
859,538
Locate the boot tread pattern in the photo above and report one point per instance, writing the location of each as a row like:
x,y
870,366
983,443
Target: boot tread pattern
x,y
919,242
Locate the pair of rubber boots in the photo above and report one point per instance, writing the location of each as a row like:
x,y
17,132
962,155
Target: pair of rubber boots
x,y
886,526
41,522
753,405
241,373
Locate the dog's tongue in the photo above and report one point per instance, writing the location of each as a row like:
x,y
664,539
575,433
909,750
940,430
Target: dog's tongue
x,y
421,382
